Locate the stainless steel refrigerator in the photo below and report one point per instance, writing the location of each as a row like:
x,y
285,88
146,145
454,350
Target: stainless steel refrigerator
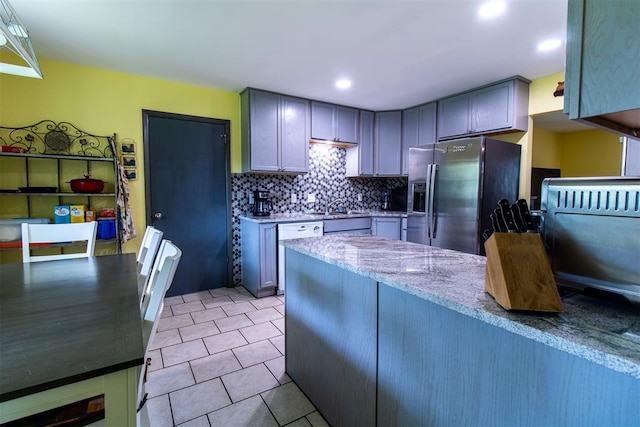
x,y
454,186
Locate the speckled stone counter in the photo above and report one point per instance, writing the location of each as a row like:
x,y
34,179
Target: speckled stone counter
x,y
398,333
601,332
303,217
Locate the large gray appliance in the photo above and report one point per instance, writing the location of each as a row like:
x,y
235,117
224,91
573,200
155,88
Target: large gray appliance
x,y
454,186
591,231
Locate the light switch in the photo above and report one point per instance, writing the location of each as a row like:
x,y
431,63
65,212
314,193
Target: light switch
x,y
294,198
359,197
311,198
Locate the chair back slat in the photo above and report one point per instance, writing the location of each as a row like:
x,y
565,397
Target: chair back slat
x,y
58,233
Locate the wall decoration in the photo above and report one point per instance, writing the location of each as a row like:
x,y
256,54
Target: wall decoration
x,y
128,157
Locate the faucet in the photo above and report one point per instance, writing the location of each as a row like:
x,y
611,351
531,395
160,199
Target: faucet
x,y
328,205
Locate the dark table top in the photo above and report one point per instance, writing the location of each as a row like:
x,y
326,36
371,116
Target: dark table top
x,y
66,321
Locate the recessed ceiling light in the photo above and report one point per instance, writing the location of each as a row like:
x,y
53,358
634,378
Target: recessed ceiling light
x,y
491,9
343,84
550,44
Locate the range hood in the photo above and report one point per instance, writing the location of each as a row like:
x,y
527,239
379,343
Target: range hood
x,y
333,143
16,51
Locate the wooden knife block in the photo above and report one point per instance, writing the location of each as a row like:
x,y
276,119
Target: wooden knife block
x,y
518,274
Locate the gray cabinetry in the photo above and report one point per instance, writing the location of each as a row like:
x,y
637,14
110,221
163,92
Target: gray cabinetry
x,y
331,339
275,132
259,257
348,225
360,158
418,128
388,143
334,122
602,84
497,108
387,227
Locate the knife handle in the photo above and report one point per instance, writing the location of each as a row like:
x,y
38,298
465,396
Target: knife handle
x,y
517,218
525,214
503,204
496,222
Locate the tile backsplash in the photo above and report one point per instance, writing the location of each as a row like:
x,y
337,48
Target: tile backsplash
x,y
326,179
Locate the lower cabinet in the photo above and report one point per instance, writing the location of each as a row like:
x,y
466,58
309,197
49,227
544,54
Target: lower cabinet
x,y
259,257
390,227
331,339
348,225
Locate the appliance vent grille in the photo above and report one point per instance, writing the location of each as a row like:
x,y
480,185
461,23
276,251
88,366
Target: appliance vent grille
x,y
614,202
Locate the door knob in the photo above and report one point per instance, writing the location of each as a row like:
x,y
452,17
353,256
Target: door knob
x,y
158,215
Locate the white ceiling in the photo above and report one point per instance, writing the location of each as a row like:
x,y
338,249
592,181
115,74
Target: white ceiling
x,y
397,53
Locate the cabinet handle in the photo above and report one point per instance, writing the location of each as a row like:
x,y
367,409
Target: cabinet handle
x,y
158,215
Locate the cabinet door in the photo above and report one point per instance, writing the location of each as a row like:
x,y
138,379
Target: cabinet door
x,y
410,119
294,150
453,116
264,137
268,258
387,227
492,108
322,121
388,144
346,124
360,158
427,124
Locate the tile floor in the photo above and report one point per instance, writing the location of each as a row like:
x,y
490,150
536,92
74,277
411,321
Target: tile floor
x,y
218,360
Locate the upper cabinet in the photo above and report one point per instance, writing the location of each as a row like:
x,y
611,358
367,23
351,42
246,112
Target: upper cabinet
x,y
418,128
334,123
602,84
497,108
360,158
388,143
275,132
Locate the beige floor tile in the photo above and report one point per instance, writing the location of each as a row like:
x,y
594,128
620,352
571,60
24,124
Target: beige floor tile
x,y
187,307
217,301
173,300
248,382
197,400
239,308
160,411
280,309
216,365
264,315
222,291
248,412
287,403
279,323
259,332
202,421
278,342
224,341
164,339
208,315
199,330
317,420
255,353
240,297
265,302
174,322
156,360
276,367
196,296
169,379
302,422
233,322
184,352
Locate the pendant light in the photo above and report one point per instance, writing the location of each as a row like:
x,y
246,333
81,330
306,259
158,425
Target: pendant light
x,y
15,45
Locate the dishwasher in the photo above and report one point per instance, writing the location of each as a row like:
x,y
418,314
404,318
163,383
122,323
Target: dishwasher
x,y
289,231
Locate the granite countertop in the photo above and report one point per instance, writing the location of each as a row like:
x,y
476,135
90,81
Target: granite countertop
x,y
302,216
603,332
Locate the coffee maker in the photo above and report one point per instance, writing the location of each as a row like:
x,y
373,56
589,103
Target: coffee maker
x,y
261,204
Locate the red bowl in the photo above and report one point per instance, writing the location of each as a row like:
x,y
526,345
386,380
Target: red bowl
x,y
86,185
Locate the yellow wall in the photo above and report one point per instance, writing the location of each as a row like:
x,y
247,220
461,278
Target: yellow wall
x,y
541,99
103,102
546,152
590,153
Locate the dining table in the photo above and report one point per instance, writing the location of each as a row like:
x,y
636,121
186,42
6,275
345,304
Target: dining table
x,y
70,330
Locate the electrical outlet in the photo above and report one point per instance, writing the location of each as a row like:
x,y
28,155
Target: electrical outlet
x,y
359,197
250,198
294,198
311,198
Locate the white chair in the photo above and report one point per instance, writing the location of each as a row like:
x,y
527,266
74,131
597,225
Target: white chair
x,y
146,255
162,273
58,233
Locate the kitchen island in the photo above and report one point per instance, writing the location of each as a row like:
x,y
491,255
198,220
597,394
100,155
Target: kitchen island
x,y
384,332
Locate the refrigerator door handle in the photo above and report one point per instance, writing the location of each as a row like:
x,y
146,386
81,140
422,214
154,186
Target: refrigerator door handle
x,y
427,198
432,192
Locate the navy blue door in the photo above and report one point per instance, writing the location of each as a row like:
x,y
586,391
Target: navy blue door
x,y
187,190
